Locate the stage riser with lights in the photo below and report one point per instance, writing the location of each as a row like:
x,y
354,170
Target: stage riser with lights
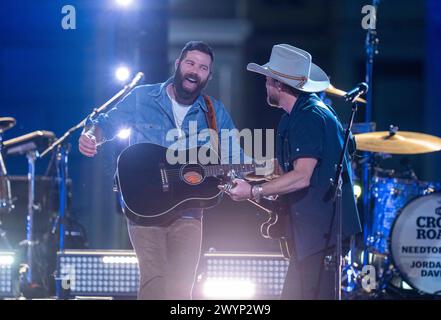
x,y
110,273
233,275
7,274
224,275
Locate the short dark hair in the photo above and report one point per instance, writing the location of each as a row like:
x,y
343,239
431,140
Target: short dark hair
x,y
199,46
287,88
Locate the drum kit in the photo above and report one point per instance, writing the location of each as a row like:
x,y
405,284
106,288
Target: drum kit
x,y
30,145
404,238
404,242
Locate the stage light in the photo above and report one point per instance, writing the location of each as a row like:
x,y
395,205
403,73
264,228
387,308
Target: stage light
x,y
100,272
229,289
357,191
124,133
266,271
6,259
122,73
118,259
124,3
6,273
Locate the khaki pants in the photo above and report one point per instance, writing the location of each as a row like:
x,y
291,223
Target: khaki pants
x,y
168,258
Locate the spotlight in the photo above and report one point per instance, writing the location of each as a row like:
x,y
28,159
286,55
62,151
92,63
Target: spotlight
x,y
124,133
357,191
117,259
229,289
122,73
124,3
6,259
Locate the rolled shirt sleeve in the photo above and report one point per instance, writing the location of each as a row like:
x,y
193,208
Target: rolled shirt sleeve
x,y
121,116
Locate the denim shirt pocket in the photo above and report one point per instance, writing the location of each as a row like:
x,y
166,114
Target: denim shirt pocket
x,y
150,132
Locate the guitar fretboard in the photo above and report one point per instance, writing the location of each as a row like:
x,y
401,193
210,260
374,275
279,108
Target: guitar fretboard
x,y
223,169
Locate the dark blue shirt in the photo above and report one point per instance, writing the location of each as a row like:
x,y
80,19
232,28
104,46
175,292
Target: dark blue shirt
x,y
312,130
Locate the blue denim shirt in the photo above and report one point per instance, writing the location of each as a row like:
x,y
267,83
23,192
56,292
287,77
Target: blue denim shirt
x,y
148,112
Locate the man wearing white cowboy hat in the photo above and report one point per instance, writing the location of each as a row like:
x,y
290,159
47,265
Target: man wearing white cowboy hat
x,y
309,141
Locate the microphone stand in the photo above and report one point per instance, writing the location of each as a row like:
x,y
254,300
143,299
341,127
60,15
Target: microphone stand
x,y
62,165
337,186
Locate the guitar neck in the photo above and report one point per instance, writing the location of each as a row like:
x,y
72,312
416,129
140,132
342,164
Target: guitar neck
x,y
223,169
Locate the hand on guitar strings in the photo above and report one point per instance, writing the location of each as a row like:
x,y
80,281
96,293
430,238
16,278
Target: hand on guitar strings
x,y
240,190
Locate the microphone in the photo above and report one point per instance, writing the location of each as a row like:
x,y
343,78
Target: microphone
x,y
138,77
360,89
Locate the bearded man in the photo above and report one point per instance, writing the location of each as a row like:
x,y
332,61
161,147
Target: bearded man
x,y
168,255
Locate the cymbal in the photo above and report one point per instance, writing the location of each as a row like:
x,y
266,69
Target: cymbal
x,y
340,93
6,123
402,142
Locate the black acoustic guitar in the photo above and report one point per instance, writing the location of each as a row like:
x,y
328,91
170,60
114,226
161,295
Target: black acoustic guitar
x,y
153,191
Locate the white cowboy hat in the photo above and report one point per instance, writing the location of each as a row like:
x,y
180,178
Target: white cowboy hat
x,y
293,67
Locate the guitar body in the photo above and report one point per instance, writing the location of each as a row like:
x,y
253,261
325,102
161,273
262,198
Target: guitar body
x,y
278,227
153,191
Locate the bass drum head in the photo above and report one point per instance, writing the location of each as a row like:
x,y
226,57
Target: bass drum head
x,y
416,243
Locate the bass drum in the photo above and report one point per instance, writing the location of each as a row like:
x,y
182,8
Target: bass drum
x,y
415,244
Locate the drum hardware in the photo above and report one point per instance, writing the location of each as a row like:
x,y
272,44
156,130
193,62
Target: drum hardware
x,y
6,201
30,242
29,144
6,123
394,142
371,49
362,127
34,141
409,173
392,192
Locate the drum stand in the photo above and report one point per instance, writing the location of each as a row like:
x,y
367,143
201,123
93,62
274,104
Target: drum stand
x,y
7,204
62,161
28,274
371,46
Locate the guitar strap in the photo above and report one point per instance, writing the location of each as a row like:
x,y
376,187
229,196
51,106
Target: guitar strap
x,y
210,116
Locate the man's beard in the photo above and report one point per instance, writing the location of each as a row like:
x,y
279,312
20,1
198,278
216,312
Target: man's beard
x,y
184,93
272,101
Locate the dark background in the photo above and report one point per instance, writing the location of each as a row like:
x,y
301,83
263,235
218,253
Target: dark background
x,y
51,78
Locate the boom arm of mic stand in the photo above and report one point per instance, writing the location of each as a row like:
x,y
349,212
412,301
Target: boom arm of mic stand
x,y
96,111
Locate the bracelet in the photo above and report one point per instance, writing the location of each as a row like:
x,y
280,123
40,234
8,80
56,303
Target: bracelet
x,y
256,191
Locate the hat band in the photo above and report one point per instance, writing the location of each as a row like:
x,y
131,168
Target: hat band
x,y
302,79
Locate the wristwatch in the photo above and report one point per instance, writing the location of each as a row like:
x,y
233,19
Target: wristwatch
x,y
256,192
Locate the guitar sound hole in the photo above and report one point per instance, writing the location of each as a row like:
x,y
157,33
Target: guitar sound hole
x,y
192,174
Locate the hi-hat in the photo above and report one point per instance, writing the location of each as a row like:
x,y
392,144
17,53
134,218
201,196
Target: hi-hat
x,y
6,123
340,93
402,142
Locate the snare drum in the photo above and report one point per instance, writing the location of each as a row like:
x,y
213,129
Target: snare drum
x,y
390,195
415,243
